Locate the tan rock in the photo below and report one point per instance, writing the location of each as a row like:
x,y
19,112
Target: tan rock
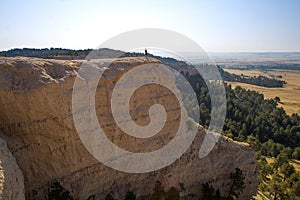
x,y
37,123
11,178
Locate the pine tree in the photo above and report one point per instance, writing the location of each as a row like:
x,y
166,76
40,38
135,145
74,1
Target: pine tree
x,y
130,196
57,192
238,183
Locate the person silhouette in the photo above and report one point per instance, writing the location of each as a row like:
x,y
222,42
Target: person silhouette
x,y
146,52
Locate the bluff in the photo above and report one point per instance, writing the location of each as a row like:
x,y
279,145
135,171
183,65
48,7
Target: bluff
x,y
36,121
11,178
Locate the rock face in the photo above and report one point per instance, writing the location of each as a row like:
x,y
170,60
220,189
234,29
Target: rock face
x,y
11,178
36,121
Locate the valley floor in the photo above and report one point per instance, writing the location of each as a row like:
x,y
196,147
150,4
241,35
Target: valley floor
x,y
289,94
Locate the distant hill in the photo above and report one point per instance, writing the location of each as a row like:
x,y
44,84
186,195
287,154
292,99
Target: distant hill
x,y
60,53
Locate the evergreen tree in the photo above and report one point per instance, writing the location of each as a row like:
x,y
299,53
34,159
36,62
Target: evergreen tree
x,y
110,196
287,170
57,192
238,183
130,196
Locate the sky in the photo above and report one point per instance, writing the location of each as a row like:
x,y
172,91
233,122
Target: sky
x,y
216,25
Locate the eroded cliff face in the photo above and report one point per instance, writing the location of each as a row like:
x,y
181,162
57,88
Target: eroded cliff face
x,y
11,178
37,123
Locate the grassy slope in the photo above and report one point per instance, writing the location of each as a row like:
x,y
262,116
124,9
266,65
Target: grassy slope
x,y
263,196
295,163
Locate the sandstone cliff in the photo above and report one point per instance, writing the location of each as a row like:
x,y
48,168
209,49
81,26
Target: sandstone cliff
x,y
36,121
11,178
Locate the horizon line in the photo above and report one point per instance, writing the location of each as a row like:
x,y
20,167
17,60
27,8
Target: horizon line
x,y
220,52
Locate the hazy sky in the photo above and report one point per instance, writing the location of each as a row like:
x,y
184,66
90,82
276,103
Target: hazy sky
x,y
216,25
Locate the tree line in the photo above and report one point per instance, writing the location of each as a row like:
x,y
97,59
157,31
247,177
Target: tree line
x,y
253,80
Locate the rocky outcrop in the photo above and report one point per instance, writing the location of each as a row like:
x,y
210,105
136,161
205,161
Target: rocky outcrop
x,y
37,123
11,178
